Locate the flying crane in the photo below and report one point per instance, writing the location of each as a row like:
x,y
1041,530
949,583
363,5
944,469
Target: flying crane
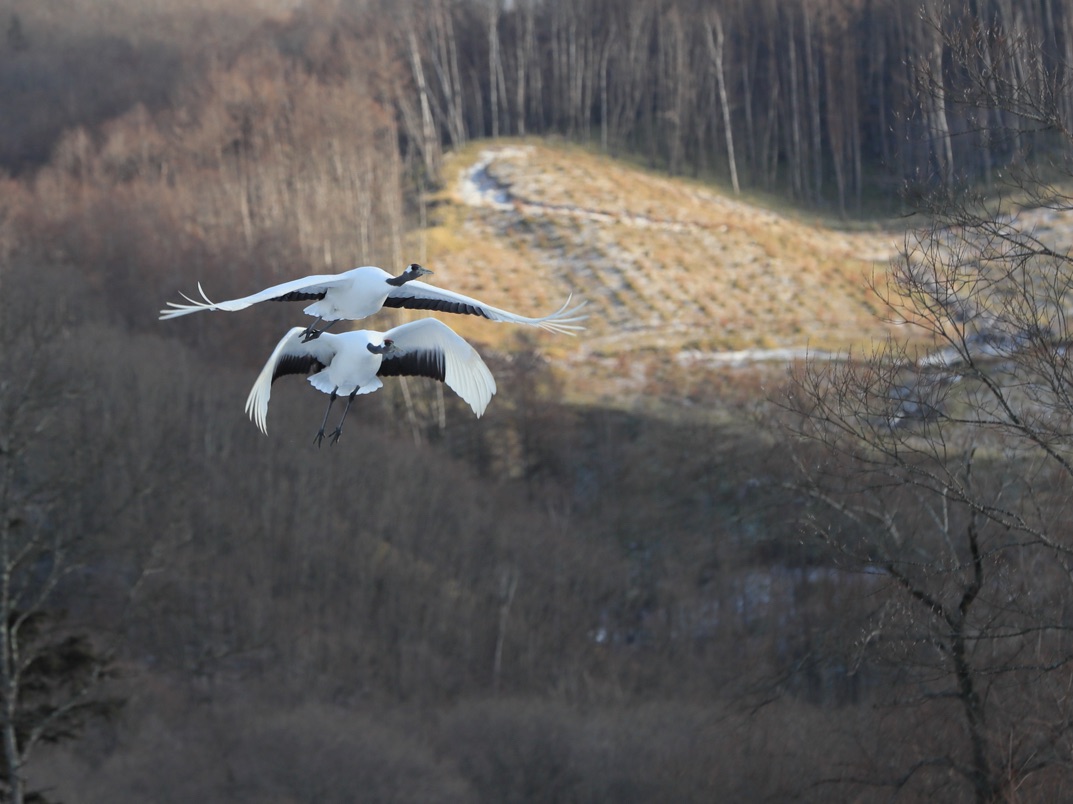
x,y
352,363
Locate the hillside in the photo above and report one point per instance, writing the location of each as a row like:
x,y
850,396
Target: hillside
x,y
669,267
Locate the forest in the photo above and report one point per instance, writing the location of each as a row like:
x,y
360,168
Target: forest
x,y
853,583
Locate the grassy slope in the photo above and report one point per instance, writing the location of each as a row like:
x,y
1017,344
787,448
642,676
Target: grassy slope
x,y
666,264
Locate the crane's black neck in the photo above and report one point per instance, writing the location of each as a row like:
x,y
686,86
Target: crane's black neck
x,y
406,276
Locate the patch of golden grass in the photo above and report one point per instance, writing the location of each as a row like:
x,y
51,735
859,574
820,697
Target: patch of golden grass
x,y
666,264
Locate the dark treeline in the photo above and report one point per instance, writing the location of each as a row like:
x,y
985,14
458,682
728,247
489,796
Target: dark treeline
x,y
836,103
821,99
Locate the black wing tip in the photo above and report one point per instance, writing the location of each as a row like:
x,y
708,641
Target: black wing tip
x,y
424,363
296,364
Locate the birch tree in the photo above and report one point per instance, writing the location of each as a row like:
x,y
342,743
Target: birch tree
x,y
716,38
51,673
942,467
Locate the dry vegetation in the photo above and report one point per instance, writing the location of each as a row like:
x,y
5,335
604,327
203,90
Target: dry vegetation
x,y
673,270
666,263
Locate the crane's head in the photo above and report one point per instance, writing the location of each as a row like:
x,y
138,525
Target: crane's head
x,y
413,271
381,349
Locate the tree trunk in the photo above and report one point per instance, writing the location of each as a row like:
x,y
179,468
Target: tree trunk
x,y
812,74
942,147
509,586
605,57
496,83
714,29
9,646
445,60
796,147
430,145
525,55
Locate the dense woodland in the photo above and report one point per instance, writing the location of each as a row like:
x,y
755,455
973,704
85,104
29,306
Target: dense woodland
x,y
556,602
832,102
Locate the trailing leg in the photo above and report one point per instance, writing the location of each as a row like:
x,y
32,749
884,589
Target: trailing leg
x,y
319,437
346,410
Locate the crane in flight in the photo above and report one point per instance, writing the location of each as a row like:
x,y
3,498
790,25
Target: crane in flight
x,y
352,363
361,292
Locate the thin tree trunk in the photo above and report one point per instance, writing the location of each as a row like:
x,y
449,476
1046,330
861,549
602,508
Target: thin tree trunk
x,y
796,168
812,73
605,57
9,651
525,54
750,127
510,585
445,60
942,147
496,87
430,147
714,30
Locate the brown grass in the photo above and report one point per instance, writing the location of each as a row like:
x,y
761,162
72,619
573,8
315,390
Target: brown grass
x,y
666,264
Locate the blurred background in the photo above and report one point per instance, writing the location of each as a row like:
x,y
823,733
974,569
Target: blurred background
x,y
603,590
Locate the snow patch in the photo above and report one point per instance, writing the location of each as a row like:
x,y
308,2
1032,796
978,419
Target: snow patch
x,y
743,357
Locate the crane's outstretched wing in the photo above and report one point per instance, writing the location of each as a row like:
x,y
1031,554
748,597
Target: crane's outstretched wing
x,y
419,296
430,348
291,356
304,289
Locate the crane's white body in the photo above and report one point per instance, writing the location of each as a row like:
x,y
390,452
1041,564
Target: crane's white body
x,y
361,292
347,367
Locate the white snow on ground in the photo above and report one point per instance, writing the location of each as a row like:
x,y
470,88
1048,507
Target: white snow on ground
x,y
478,188
744,357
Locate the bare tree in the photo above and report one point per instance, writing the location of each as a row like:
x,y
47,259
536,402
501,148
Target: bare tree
x,y
428,141
51,672
943,467
444,52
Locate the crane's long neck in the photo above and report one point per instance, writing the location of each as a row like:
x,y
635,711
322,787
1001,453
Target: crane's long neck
x,y
413,271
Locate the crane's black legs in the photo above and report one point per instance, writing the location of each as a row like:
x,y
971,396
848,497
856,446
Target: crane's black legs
x,y
339,430
319,437
312,331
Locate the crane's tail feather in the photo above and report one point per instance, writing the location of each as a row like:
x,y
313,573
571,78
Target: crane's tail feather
x,y
563,320
177,309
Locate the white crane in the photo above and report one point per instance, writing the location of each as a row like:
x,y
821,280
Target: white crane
x,y
352,363
360,292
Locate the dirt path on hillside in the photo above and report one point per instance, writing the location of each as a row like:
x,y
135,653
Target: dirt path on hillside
x,y
479,188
